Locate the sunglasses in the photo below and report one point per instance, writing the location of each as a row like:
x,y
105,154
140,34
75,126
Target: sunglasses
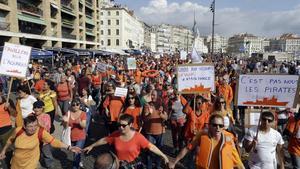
x,y
131,98
122,125
266,119
217,125
75,104
222,102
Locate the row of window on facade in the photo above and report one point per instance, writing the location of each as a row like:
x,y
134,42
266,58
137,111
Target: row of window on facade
x,y
109,42
109,32
109,13
109,22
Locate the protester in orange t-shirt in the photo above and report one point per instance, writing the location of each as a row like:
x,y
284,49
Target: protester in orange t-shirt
x,y
6,109
133,107
197,119
76,119
225,90
293,131
112,106
127,142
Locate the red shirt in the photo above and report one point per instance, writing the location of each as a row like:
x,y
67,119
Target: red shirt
x,y
77,132
128,150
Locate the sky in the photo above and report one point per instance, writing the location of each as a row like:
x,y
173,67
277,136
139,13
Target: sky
x,y
269,18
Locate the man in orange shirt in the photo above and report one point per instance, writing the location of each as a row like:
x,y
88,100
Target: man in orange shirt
x,y
217,149
225,90
293,131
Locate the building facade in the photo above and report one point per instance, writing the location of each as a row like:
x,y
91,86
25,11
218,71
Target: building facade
x,y
286,43
51,23
120,29
246,44
220,44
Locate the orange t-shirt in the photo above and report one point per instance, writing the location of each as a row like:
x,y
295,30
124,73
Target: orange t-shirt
x,y
114,105
4,117
63,92
195,123
39,85
128,150
96,80
77,132
294,144
136,115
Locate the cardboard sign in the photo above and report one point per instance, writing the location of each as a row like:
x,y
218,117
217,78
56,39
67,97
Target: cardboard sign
x,y
252,117
183,55
121,92
15,60
131,63
101,67
267,90
198,78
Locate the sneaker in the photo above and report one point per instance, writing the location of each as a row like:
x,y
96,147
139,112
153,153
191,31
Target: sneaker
x,y
81,164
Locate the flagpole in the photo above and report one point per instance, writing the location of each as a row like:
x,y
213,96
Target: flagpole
x,y
213,28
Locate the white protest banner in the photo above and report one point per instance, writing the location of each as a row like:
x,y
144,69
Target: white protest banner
x,y
121,92
183,55
198,78
131,63
101,67
267,90
15,60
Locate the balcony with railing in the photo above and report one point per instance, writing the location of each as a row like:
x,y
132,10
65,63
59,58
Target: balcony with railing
x,y
89,20
5,2
32,30
89,4
4,26
67,7
89,31
67,35
30,9
67,23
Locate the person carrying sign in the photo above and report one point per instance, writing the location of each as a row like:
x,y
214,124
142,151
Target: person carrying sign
x,y
262,144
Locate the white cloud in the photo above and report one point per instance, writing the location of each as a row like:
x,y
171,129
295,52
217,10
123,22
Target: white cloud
x,y
229,21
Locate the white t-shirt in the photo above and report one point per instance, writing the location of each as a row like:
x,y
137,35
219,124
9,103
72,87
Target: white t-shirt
x,y
264,155
26,105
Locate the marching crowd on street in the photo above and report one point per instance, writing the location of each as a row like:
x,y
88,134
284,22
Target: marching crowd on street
x,y
203,126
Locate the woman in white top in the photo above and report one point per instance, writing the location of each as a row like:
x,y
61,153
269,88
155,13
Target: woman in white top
x,y
88,102
24,104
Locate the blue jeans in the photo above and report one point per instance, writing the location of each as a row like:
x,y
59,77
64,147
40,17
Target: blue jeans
x,y
46,154
158,141
77,157
88,119
295,161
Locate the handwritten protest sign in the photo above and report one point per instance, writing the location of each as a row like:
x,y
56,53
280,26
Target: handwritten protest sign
x,y
267,90
15,59
131,63
101,67
198,78
121,92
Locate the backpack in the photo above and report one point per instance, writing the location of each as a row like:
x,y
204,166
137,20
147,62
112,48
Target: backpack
x,y
40,133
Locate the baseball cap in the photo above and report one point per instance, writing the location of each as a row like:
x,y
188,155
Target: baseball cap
x,y
38,104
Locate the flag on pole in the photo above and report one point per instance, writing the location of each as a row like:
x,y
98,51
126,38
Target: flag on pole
x,y
196,58
194,26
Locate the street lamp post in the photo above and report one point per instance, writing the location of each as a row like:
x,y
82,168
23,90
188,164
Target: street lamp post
x,y
212,8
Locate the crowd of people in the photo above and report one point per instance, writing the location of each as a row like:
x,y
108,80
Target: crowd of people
x,y
203,126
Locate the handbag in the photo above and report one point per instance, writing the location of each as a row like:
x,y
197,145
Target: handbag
x,y
66,133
